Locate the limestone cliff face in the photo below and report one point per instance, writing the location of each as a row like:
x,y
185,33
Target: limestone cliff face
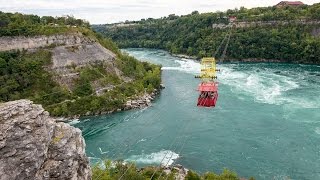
x,y
68,50
34,146
22,42
71,49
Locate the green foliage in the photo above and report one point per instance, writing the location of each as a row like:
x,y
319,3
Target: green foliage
x,y
108,43
14,24
22,76
85,99
193,34
225,175
82,88
114,170
192,176
152,79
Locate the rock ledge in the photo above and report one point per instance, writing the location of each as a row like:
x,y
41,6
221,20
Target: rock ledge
x,y
34,146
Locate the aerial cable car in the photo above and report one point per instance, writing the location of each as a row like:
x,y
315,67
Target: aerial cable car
x,y
208,88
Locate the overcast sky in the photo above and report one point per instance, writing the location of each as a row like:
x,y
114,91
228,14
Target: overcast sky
x,y
110,11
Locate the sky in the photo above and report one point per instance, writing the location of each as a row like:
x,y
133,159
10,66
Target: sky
x,y
112,11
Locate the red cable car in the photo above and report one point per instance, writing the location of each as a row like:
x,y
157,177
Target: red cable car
x,y
208,94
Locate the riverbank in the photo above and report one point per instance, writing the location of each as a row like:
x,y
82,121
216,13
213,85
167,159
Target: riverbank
x,y
136,102
141,101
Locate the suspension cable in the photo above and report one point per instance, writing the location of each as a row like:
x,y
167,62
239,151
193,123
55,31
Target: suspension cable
x,y
161,160
182,145
226,47
157,115
176,138
219,47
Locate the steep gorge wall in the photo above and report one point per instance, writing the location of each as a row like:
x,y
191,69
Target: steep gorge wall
x,y
67,49
23,42
34,146
80,54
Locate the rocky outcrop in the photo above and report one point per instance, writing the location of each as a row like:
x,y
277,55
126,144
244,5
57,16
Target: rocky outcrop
x,y
80,54
67,49
34,42
143,101
66,57
34,146
179,170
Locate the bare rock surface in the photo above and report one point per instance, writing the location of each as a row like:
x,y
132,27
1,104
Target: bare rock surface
x,y
80,54
180,174
142,101
23,42
67,49
69,53
34,146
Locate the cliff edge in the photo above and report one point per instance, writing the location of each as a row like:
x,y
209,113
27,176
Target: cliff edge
x,y
34,146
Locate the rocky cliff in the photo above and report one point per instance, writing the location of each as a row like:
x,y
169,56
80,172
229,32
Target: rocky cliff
x,y
34,146
67,50
70,49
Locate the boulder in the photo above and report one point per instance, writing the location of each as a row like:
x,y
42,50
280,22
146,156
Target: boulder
x,y
34,146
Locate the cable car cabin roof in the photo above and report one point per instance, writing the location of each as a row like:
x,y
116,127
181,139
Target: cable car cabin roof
x,y
208,87
208,59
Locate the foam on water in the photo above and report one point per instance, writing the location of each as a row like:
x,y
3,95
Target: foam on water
x,y
317,130
166,156
74,121
142,140
185,65
102,152
262,84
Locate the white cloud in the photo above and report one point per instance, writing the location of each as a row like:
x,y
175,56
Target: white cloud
x,y
107,11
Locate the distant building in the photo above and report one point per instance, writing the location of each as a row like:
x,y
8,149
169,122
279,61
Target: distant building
x,y
289,3
232,19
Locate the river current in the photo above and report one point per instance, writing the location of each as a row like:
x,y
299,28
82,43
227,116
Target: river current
x,y
266,123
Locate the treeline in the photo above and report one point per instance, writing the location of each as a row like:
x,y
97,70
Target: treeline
x,y
14,24
193,34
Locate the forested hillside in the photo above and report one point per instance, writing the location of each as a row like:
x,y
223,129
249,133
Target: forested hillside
x,y
14,24
297,40
29,73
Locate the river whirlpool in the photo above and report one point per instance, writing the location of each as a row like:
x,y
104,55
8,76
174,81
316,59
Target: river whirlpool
x,y
266,123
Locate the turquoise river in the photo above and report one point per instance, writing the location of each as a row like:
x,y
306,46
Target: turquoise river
x,y
266,123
